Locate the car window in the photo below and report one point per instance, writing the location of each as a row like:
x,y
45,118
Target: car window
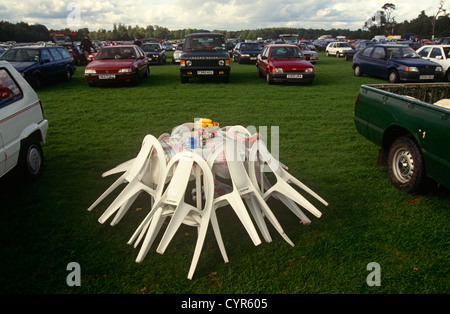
x,y
447,52
265,53
64,53
424,52
55,54
435,53
379,53
205,42
9,89
366,52
21,55
45,55
285,52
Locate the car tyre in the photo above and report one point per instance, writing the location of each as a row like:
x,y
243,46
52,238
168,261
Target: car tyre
x,y
393,76
327,53
36,81
31,158
269,78
258,74
68,75
357,70
338,54
405,165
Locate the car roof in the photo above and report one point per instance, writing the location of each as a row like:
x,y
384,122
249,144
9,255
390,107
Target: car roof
x,y
282,45
122,46
204,34
443,46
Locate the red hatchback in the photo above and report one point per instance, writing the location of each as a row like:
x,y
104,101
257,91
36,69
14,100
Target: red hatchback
x,y
127,63
284,63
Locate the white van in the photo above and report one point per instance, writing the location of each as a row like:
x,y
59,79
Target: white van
x,y
22,124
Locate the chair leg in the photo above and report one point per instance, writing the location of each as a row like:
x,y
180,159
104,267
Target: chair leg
x,y
152,231
259,219
234,199
180,213
199,245
216,229
108,191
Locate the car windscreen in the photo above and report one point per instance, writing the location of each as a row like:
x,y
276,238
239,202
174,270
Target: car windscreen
x,y
205,43
285,53
115,53
151,47
401,53
21,55
250,47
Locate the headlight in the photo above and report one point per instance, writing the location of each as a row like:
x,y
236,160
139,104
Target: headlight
x,y
412,69
439,69
278,70
309,70
246,55
221,62
89,72
189,63
127,70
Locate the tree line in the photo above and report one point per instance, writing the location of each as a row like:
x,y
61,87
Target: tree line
x,y
422,27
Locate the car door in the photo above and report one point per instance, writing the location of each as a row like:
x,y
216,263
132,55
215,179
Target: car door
x,y
46,60
59,65
377,65
263,60
365,59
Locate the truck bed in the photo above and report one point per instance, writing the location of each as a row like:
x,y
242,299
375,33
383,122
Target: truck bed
x,y
430,93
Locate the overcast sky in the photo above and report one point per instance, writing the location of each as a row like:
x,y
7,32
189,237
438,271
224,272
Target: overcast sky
x,y
208,14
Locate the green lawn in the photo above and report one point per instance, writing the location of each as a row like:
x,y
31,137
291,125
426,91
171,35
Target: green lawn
x,y
45,225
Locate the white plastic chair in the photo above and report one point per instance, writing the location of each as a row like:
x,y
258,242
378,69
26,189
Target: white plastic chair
x,y
143,173
170,203
243,188
282,188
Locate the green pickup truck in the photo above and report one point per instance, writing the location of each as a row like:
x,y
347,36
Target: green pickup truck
x,y
411,124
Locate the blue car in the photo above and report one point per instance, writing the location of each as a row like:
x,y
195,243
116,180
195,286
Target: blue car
x,y
39,64
246,52
395,63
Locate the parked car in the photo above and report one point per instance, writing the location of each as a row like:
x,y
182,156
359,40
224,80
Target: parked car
x,y
337,48
246,52
39,64
348,54
177,53
439,54
309,54
22,124
155,53
284,63
205,55
127,63
395,63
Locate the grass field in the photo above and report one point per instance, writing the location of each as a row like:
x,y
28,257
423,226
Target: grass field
x,y
44,225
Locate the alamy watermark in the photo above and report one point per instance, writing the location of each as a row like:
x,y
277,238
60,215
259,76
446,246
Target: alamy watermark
x,y
374,277
74,17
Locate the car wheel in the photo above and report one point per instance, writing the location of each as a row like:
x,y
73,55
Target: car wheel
x,y
36,81
269,78
405,165
327,53
357,70
447,76
338,54
68,75
346,57
393,76
31,158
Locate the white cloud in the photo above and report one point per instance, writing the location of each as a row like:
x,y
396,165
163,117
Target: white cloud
x,y
212,14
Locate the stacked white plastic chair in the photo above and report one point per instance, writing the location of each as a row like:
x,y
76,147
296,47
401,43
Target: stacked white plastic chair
x,y
170,203
143,174
282,189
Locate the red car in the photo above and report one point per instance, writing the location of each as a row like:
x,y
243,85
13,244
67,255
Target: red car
x,y
126,63
284,63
